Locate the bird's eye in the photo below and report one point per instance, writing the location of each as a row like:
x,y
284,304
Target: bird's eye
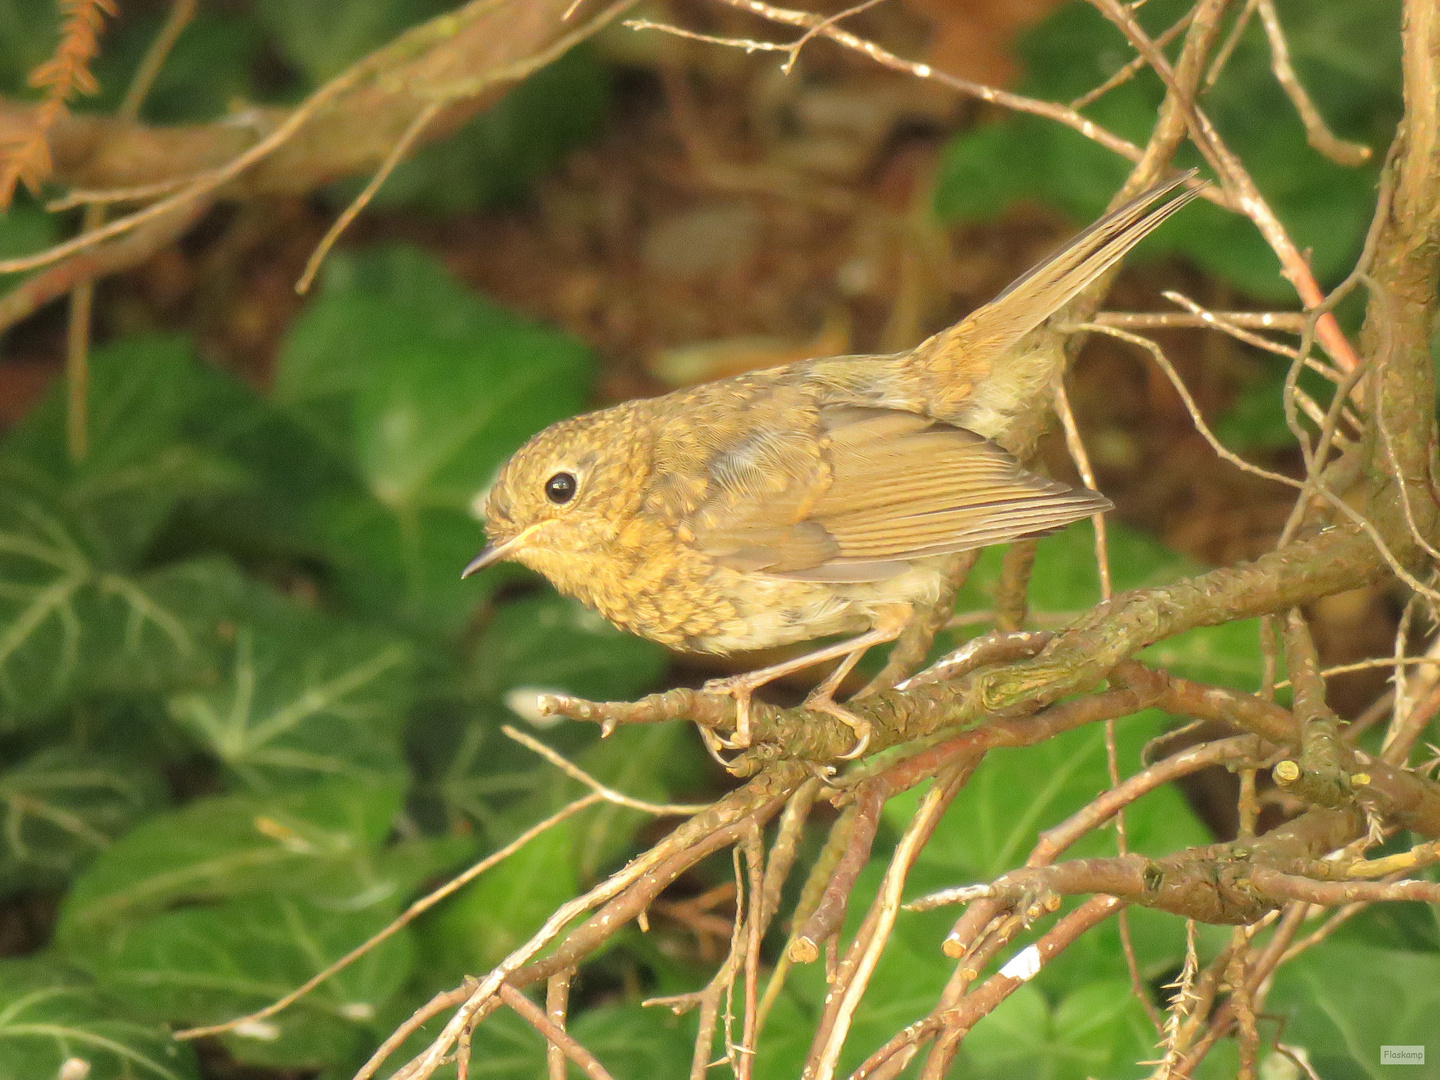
x,y
560,488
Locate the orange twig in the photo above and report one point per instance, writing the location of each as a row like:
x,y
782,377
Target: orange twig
x,y
26,156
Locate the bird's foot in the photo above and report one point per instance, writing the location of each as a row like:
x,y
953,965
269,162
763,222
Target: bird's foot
x,y
741,688
821,701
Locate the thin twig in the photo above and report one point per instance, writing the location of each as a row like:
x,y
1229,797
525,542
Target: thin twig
x,y
554,1034
400,922
397,154
609,794
1201,426
1317,133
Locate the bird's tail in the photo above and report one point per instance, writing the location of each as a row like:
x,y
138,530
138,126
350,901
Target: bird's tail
x,y
971,359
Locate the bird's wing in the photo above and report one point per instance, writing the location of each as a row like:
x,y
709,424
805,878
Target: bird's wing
x,y
885,487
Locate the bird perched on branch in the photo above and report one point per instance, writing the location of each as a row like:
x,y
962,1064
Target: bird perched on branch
x,y
809,500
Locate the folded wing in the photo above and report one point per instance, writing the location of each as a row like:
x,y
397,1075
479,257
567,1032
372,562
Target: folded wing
x,y
887,487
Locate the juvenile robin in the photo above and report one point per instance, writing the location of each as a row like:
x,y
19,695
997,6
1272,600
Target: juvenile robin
x,y
807,500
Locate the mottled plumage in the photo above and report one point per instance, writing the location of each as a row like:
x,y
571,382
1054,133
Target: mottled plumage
x,y
807,500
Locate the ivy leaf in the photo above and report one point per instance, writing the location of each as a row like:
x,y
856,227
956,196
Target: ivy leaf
x,y
1097,1030
70,625
1347,59
63,805
1013,796
138,466
209,68
50,1016
470,772
1342,1021
323,842
1016,793
1066,582
490,917
324,39
424,388
554,643
302,696
209,964
292,473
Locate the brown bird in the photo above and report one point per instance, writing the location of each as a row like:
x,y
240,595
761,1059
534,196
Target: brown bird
x,y
807,500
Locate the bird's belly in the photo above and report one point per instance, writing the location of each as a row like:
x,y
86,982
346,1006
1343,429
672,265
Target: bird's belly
x,y
771,611
698,605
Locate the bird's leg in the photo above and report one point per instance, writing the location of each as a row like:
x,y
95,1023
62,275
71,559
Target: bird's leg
x,y
822,698
742,687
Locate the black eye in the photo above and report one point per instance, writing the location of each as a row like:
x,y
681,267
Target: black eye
x,y
560,488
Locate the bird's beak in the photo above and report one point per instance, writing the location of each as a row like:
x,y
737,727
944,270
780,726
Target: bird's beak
x,y
493,553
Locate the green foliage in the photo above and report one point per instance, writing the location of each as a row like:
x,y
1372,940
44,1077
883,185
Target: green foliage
x,y
302,696
209,70
278,52
424,389
248,711
1343,1001
1345,54
1096,1030
324,39
64,804
185,600
50,1014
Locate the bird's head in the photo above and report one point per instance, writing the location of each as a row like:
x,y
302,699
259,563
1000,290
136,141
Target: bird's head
x,y
563,497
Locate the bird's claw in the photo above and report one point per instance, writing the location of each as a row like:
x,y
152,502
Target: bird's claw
x,y
741,691
821,702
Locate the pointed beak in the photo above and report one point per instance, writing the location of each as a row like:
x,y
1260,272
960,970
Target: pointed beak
x,y
493,553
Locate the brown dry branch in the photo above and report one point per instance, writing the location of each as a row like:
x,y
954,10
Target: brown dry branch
x,y
363,120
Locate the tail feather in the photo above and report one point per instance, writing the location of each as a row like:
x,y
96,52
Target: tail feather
x,y
1039,293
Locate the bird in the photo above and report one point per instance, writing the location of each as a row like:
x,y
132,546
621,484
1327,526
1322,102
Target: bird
x,y
815,499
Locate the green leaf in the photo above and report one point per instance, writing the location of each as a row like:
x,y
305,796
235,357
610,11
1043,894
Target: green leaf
x,y
424,388
1066,582
402,564
205,965
28,32
322,842
24,229
291,473
61,806
633,1041
138,466
324,39
1098,1030
71,626
497,157
482,923
1344,1001
1015,793
50,1015
552,643
905,986
544,642
302,696
209,68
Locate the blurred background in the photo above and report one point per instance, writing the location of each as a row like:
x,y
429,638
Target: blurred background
x,y
248,709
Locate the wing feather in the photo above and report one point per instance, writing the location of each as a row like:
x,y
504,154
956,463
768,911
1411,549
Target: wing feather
x,y
885,487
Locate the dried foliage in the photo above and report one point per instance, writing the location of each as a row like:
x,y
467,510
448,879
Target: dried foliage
x,y
25,156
